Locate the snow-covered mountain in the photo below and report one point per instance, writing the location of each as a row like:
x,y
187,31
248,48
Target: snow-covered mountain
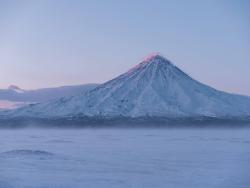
x,y
154,88
14,97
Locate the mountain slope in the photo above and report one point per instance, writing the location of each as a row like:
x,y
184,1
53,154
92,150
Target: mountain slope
x,y
154,88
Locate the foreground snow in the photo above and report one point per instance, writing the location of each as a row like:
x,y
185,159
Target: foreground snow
x,y
114,158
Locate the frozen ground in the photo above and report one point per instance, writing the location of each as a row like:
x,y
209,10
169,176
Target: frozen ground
x,y
121,158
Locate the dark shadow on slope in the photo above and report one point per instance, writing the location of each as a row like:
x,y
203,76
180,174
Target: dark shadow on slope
x,y
124,122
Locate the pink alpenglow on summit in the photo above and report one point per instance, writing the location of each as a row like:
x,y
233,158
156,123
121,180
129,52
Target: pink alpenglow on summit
x,y
151,56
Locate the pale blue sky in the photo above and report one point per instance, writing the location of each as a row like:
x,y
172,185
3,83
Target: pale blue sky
x,y
46,43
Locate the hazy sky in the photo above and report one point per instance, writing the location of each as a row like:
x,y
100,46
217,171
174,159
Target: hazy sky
x,y
46,43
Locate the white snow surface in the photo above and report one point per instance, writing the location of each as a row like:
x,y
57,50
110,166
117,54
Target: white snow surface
x,y
140,158
155,87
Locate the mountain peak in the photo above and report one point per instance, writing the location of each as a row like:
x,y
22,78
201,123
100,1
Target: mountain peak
x,y
152,56
152,59
155,58
15,88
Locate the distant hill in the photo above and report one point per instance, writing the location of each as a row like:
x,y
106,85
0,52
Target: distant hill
x,y
15,97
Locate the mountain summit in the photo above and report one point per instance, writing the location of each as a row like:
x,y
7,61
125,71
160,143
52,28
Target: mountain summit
x,y
15,89
154,59
153,88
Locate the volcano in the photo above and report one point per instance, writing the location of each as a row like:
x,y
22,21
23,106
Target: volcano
x,y
153,88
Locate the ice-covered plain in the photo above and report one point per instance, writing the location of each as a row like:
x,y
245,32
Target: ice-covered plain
x,y
125,158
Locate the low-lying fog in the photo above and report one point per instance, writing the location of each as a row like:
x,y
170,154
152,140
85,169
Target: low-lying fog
x,y
125,158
